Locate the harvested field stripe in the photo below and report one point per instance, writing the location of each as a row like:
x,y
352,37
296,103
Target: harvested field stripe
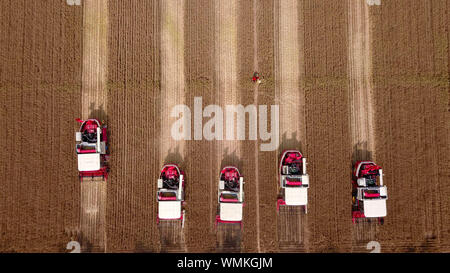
x,y
94,100
228,151
288,69
172,75
95,52
226,71
360,98
360,83
226,53
172,94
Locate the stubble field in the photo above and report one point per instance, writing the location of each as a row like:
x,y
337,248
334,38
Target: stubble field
x,y
352,82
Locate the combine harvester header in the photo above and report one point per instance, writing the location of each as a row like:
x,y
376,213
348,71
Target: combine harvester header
x,y
294,181
230,196
369,194
170,195
91,149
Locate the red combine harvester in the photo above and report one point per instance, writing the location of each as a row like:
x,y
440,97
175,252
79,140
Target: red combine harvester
x,y
230,196
294,181
170,195
369,195
91,148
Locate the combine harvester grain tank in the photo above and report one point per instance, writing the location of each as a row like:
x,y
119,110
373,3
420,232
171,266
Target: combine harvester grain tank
x,y
230,196
170,194
91,148
369,194
293,180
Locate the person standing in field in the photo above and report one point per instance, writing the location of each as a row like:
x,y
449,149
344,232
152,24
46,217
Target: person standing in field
x,y
256,78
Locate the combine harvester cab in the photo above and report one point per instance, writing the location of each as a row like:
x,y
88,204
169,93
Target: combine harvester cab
x,y
294,181
369,195
91,149
170,194
230,196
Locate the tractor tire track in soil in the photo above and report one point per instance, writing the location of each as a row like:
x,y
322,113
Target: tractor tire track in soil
x,y
171,236
364,231
411,87
228,152
134,125
228,238
200,165
93,213
360,100
40,89
172,94
290,95
94,105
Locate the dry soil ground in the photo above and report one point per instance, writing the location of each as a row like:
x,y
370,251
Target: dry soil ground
x,y
94,97
352,82
40,96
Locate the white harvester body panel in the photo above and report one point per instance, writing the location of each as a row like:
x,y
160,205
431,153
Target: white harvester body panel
x,y
231,211
180,188
99,149
305,180
169,210
102,147
160,183
88,162
383,191
296,196
375,208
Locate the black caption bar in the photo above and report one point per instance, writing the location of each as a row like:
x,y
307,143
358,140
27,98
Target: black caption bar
x,y
215,262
